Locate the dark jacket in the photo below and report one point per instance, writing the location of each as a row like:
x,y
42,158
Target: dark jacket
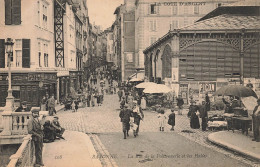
x,y
171,120
180,101
20,109
125,115
34,128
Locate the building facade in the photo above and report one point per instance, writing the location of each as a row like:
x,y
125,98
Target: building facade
x,y
220,49
154,18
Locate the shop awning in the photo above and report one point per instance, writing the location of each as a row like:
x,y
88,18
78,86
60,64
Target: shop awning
x,y
136,77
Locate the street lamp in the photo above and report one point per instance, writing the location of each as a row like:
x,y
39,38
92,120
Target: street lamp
x,y
10,99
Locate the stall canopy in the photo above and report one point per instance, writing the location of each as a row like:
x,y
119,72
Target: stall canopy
x,y
145,84
235,90
250,103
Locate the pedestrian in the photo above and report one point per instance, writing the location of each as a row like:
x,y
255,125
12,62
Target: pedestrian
x,y
204,116
23,107
256,122
43,103
51,105
49,132
76,105
122,103
143,103
180,103
207,100
228,108
57,127
162,118
138,116
171,120
88,98
124,115
130,101
193,114
36,130
73,106
93,99
98,99
120,94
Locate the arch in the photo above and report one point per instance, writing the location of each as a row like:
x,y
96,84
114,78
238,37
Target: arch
x,y
167,62
194,42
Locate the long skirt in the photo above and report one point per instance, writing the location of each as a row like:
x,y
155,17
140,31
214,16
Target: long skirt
x,y
194,122
125,126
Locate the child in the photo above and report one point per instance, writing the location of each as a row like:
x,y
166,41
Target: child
x,y
171,120
162,117
73,106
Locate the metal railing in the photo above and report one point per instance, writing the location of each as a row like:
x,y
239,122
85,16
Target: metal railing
x,y
24,155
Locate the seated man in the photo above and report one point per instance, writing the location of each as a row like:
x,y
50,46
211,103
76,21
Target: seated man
x,y
49,132
58,130
23,107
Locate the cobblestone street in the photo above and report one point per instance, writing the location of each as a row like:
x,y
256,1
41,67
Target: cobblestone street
x,y
104,119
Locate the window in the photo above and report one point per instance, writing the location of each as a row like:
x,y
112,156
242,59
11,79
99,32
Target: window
x,y
44,15
196,9
39,53
185,10
152,25
18,53
26,56
46,61
129,57
38,13
174,10
175,24
12,12
152,9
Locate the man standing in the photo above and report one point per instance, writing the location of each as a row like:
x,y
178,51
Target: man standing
x,y
51,105
120,94
207,105
125,114
138,116
36,130
180,103
256,122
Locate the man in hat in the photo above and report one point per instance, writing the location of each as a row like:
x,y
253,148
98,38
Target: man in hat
x,y
125,114
180,103
256,122
36,130
51,105
23,107
58,129
207,102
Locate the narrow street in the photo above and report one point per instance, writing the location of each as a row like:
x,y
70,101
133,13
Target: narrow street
x,y
151,147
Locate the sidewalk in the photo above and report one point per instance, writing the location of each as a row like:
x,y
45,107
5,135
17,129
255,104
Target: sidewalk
x,y
236,142
76,150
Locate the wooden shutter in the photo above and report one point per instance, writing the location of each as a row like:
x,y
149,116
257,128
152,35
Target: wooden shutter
x,y
26,53
16,12
2,53
8,12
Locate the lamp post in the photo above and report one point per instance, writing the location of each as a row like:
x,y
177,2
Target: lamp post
x,y
9,50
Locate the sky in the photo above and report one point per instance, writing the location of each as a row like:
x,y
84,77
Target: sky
x,y
102,11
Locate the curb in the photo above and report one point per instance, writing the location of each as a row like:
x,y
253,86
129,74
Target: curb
x,y
251,155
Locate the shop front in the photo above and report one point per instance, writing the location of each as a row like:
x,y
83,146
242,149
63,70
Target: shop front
x,y
76,79
30,87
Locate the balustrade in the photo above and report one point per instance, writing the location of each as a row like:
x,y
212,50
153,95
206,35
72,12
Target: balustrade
x,y
20,123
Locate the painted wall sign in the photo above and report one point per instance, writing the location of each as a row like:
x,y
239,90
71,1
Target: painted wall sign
x,y
180,3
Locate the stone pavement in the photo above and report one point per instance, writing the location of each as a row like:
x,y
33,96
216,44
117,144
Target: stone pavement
x,y
105,119
76,150
237,142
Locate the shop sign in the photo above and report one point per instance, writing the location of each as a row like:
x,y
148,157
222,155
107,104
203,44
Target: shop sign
x,y
41,77
180,3
209,87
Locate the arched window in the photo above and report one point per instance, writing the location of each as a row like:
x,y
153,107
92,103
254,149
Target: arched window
x,y
167,62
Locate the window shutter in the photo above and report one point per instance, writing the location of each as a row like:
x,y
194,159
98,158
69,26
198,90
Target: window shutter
x,y
8,10
16,12
2,53
26,53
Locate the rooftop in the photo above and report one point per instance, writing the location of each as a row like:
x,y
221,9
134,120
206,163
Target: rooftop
x,y
226,22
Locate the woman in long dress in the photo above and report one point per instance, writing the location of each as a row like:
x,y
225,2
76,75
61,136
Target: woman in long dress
x,y
194,119
143,103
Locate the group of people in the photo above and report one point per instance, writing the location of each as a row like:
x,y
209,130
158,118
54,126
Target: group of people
x,y
43,131
48,104
195,112
131,117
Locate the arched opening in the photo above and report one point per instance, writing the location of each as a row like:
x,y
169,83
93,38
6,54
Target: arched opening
x,y
167,62
156,63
